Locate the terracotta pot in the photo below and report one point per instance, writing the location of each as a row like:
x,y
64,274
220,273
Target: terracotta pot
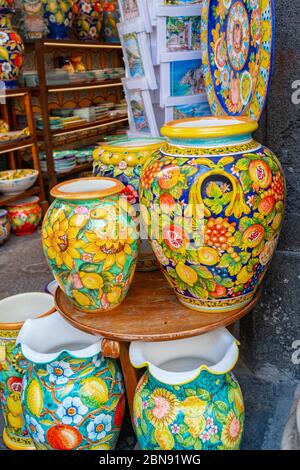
x,y
188,398
124,160
4,226
216,198
13,313
90,240
24,215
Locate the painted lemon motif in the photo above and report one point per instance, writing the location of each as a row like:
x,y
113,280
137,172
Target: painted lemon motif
x,y
137,406
98,214
116,158
208,256
13,403
244,275
100,447
91,280
186,274
277,221
164,438
114,295
82,299
15,422
34,397
196,425
93,392
193,407
131,160
78,220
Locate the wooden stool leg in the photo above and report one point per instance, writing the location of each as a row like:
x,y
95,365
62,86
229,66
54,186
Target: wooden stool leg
x,y
131,376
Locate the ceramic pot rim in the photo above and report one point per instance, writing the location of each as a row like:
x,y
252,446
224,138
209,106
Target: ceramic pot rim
x,y
177,129
114,147
116,188
21,202
32,173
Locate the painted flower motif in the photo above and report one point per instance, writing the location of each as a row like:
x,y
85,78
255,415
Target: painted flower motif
x,y
267,252
77,284
145,405
60,237
232,432
52,18
35,429
86,7
119,380
175,428
6,67
251,200
66,22
87,257
97,360
119,278
72,410
93,32
122,165
225,78
130,193
4,37
159,253
60,372
165,407
81,210
99,427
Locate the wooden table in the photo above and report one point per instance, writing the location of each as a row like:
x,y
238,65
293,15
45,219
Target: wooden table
x,y
150,312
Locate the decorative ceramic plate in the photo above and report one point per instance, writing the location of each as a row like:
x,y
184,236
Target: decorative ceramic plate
x,y
237,39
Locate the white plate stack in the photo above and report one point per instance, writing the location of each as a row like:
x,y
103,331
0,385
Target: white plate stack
x,y
161,48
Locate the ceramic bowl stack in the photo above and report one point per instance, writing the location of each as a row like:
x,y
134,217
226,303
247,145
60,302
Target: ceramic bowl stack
x,y
84,155
64,161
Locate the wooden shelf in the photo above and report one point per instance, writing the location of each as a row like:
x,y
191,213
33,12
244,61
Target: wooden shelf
x,y
77,169
17,145
13,92
72,43
78,86
84,126
5,199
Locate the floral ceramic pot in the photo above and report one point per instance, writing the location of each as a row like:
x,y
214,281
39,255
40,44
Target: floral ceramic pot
x,y
88,19
59,17
124,160
33,24
111,17
24,215
217,199
188,399
90,240
4,226
12,51
13,312
73,397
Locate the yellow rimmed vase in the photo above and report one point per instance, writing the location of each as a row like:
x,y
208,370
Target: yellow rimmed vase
x,y
213,202
124,160
90,240
14,311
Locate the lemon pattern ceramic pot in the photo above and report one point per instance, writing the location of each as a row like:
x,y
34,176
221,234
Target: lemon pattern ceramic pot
x,y
124,160
188,399
90,239
13,312
216,200
73,398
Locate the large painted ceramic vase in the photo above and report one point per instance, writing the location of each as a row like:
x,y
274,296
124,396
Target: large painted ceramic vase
x,y
90,240
12,51
124,160
13,312
4,227
188,399
216,198
73,397
88,19
58,15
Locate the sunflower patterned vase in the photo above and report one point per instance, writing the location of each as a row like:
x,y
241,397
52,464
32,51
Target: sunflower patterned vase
x,y
73,398
13,312
214,203
188,399
124,160
58,15
90,239
11,51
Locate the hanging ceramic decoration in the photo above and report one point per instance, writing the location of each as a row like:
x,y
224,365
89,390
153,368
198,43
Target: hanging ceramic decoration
x,y
237,53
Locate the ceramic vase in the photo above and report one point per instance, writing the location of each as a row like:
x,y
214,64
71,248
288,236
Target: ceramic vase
x,y
13,312
12,51
24,215
33,24
90,240
188,399
111,17
72,396
89,15
58,15
124,160
4,226
216,198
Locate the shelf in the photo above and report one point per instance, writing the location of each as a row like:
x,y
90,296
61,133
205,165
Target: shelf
x,y
73,43
7,199
13,92
78,86
18,145
84,126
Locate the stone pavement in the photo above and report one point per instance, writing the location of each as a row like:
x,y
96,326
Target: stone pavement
x,y
268,397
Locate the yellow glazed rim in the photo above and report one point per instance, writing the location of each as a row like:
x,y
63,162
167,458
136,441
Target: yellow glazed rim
x,y
79,196
245,126
136,148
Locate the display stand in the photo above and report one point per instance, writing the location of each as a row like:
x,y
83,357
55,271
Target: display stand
x,y
150,312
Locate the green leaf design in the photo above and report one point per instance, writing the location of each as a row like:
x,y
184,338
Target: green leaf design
x,y
226,282
213,190
210,285
214,438
225,261
188,170
46,422
257,250
198,292
272,163
244,256
198,445
107,276
245,222
238,239
192,256
203,394
203,272
189,441
221,406
176,191
243,164
246,181
190,392
220,416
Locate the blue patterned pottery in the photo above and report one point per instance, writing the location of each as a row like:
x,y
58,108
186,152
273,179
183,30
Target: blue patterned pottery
x,y
59,17
4,226
216,200
188,399
73,397
12,51
89,14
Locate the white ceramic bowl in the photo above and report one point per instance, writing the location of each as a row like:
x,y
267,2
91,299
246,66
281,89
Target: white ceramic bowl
x,y
18,185
19,308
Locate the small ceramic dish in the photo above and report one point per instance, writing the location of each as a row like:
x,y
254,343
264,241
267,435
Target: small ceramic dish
x,y
51,287
14,182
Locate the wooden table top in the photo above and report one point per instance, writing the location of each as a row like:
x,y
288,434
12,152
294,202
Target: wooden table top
x,y
150,312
